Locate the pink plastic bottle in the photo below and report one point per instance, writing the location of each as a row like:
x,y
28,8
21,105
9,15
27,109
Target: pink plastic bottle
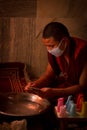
x,y
60,103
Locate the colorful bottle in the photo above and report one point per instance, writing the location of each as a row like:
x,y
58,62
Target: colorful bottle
x,y
60,103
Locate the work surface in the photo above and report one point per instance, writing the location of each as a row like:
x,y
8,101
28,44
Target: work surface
x,y
44,121
74,122
49,121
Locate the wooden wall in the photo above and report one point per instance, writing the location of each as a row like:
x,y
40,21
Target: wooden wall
x,y
18,42
21,24
17,8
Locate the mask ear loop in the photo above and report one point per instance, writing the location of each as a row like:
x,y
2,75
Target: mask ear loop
x,y
61,42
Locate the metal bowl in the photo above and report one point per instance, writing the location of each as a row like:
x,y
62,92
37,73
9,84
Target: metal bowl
x,y
22,104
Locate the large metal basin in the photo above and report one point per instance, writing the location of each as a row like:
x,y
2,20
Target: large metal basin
x,y
22,104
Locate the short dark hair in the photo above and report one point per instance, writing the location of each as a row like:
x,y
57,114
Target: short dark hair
x,y
56,30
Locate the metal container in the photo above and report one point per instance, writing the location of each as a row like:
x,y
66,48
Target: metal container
x,y
22,104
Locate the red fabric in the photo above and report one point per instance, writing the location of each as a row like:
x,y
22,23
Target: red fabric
x,y
12,77
71,72
5,85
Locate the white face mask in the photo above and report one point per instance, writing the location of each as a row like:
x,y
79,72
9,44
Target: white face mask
x,y
56,51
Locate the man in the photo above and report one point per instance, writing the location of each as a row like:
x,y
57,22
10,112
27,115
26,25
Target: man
x,y
66,72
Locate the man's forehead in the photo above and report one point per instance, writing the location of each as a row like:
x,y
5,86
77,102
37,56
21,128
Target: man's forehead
x,y
50,39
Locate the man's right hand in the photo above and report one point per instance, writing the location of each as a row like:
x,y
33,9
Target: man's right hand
x,y
30,84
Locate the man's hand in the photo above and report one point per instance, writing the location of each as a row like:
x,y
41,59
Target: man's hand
x,y
47,93
30,84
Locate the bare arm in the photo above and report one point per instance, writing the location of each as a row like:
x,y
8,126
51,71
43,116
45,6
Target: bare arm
x,y
45,80
58,92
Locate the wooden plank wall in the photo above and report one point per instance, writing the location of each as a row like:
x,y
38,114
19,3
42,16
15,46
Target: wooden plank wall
x,y
24,8
18,42
17,35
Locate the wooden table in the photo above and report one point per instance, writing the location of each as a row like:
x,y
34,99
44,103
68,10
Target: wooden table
x,y
74,123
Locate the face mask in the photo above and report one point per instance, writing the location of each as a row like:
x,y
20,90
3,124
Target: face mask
x,y
56,51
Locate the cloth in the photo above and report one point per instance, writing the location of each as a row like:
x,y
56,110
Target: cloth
x,y
14,125
77,58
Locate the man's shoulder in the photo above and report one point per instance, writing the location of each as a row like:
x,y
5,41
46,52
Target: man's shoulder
x,y
79,40
81,46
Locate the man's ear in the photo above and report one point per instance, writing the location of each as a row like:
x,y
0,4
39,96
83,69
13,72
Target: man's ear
x,y
66,40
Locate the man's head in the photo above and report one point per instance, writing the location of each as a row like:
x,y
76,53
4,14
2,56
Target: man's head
x,y
55,37
56,30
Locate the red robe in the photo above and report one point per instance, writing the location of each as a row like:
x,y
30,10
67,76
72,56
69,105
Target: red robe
x,y
78,57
